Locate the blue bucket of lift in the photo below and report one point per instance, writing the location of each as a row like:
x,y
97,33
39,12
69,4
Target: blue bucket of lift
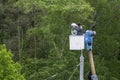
x,y
89,34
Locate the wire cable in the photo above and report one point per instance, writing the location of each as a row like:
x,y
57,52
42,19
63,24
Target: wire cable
x,y
73,72
51,77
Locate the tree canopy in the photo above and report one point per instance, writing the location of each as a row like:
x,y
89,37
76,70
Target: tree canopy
x,y
9,70
37,31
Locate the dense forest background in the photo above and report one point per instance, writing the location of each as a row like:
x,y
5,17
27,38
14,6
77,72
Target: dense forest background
x,y
37,31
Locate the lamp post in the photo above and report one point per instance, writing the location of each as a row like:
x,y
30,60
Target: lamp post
x,y
81,66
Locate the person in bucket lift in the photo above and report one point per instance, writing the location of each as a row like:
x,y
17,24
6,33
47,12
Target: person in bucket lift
x,y
80,29
77,29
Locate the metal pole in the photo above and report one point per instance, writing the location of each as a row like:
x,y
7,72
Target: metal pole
x,y
81,66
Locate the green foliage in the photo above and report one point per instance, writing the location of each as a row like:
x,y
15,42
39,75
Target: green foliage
x,y
38,30
9,70
52,20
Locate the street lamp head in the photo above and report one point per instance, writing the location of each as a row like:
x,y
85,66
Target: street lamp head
x,y
74,25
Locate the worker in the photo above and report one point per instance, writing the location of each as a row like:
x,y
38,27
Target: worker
x,y
77,29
